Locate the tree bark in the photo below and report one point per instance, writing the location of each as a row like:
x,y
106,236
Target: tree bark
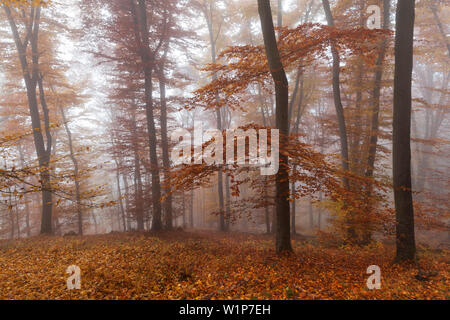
x,y
311,216
76,172
337,96
373,141
30,70
404,211
127,201
11,214
139,14
293,229
139,199
165,148
213,40
184,209
351,235
191,209
228,203
119,192
374,125
25,196
283,236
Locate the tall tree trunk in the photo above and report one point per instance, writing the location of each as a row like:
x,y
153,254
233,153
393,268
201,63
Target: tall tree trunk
x,y
17,220
165,147
337,96
47,193
191,209
27,215
213,41
319,219
355,145
139,193
11,214
119,192
184,210
25,196
267,218
283,235
141,28
95,223
30,71
293,222
351,235
76,172
228,203
118,161
127,201
374,126
139,199
356,132
401,143
298,86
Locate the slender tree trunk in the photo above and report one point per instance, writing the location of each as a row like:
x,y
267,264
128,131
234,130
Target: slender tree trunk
x,y
27,215
311,216
351,235
283,235
267,218
119,192
298,86
139,193
137,175
11,214
76,172
319,222
374,126
404,211
17,220
127,201
47,188
191,209
266,122
355,152
141,28
355,145
293,229
184,209
373,141
337,96
95,223
165,147
32,77
25,196
213,40
266,207
228,201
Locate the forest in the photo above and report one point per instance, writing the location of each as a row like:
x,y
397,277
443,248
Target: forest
x,y
224,149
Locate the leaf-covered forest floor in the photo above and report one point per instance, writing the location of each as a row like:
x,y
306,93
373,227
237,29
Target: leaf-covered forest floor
x,y
204,265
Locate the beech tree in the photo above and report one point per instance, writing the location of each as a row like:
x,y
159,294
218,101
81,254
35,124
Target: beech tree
x,y
33,81
401,139
283,236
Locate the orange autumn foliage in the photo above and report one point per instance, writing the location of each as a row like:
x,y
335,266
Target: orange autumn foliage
x,y
208,266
